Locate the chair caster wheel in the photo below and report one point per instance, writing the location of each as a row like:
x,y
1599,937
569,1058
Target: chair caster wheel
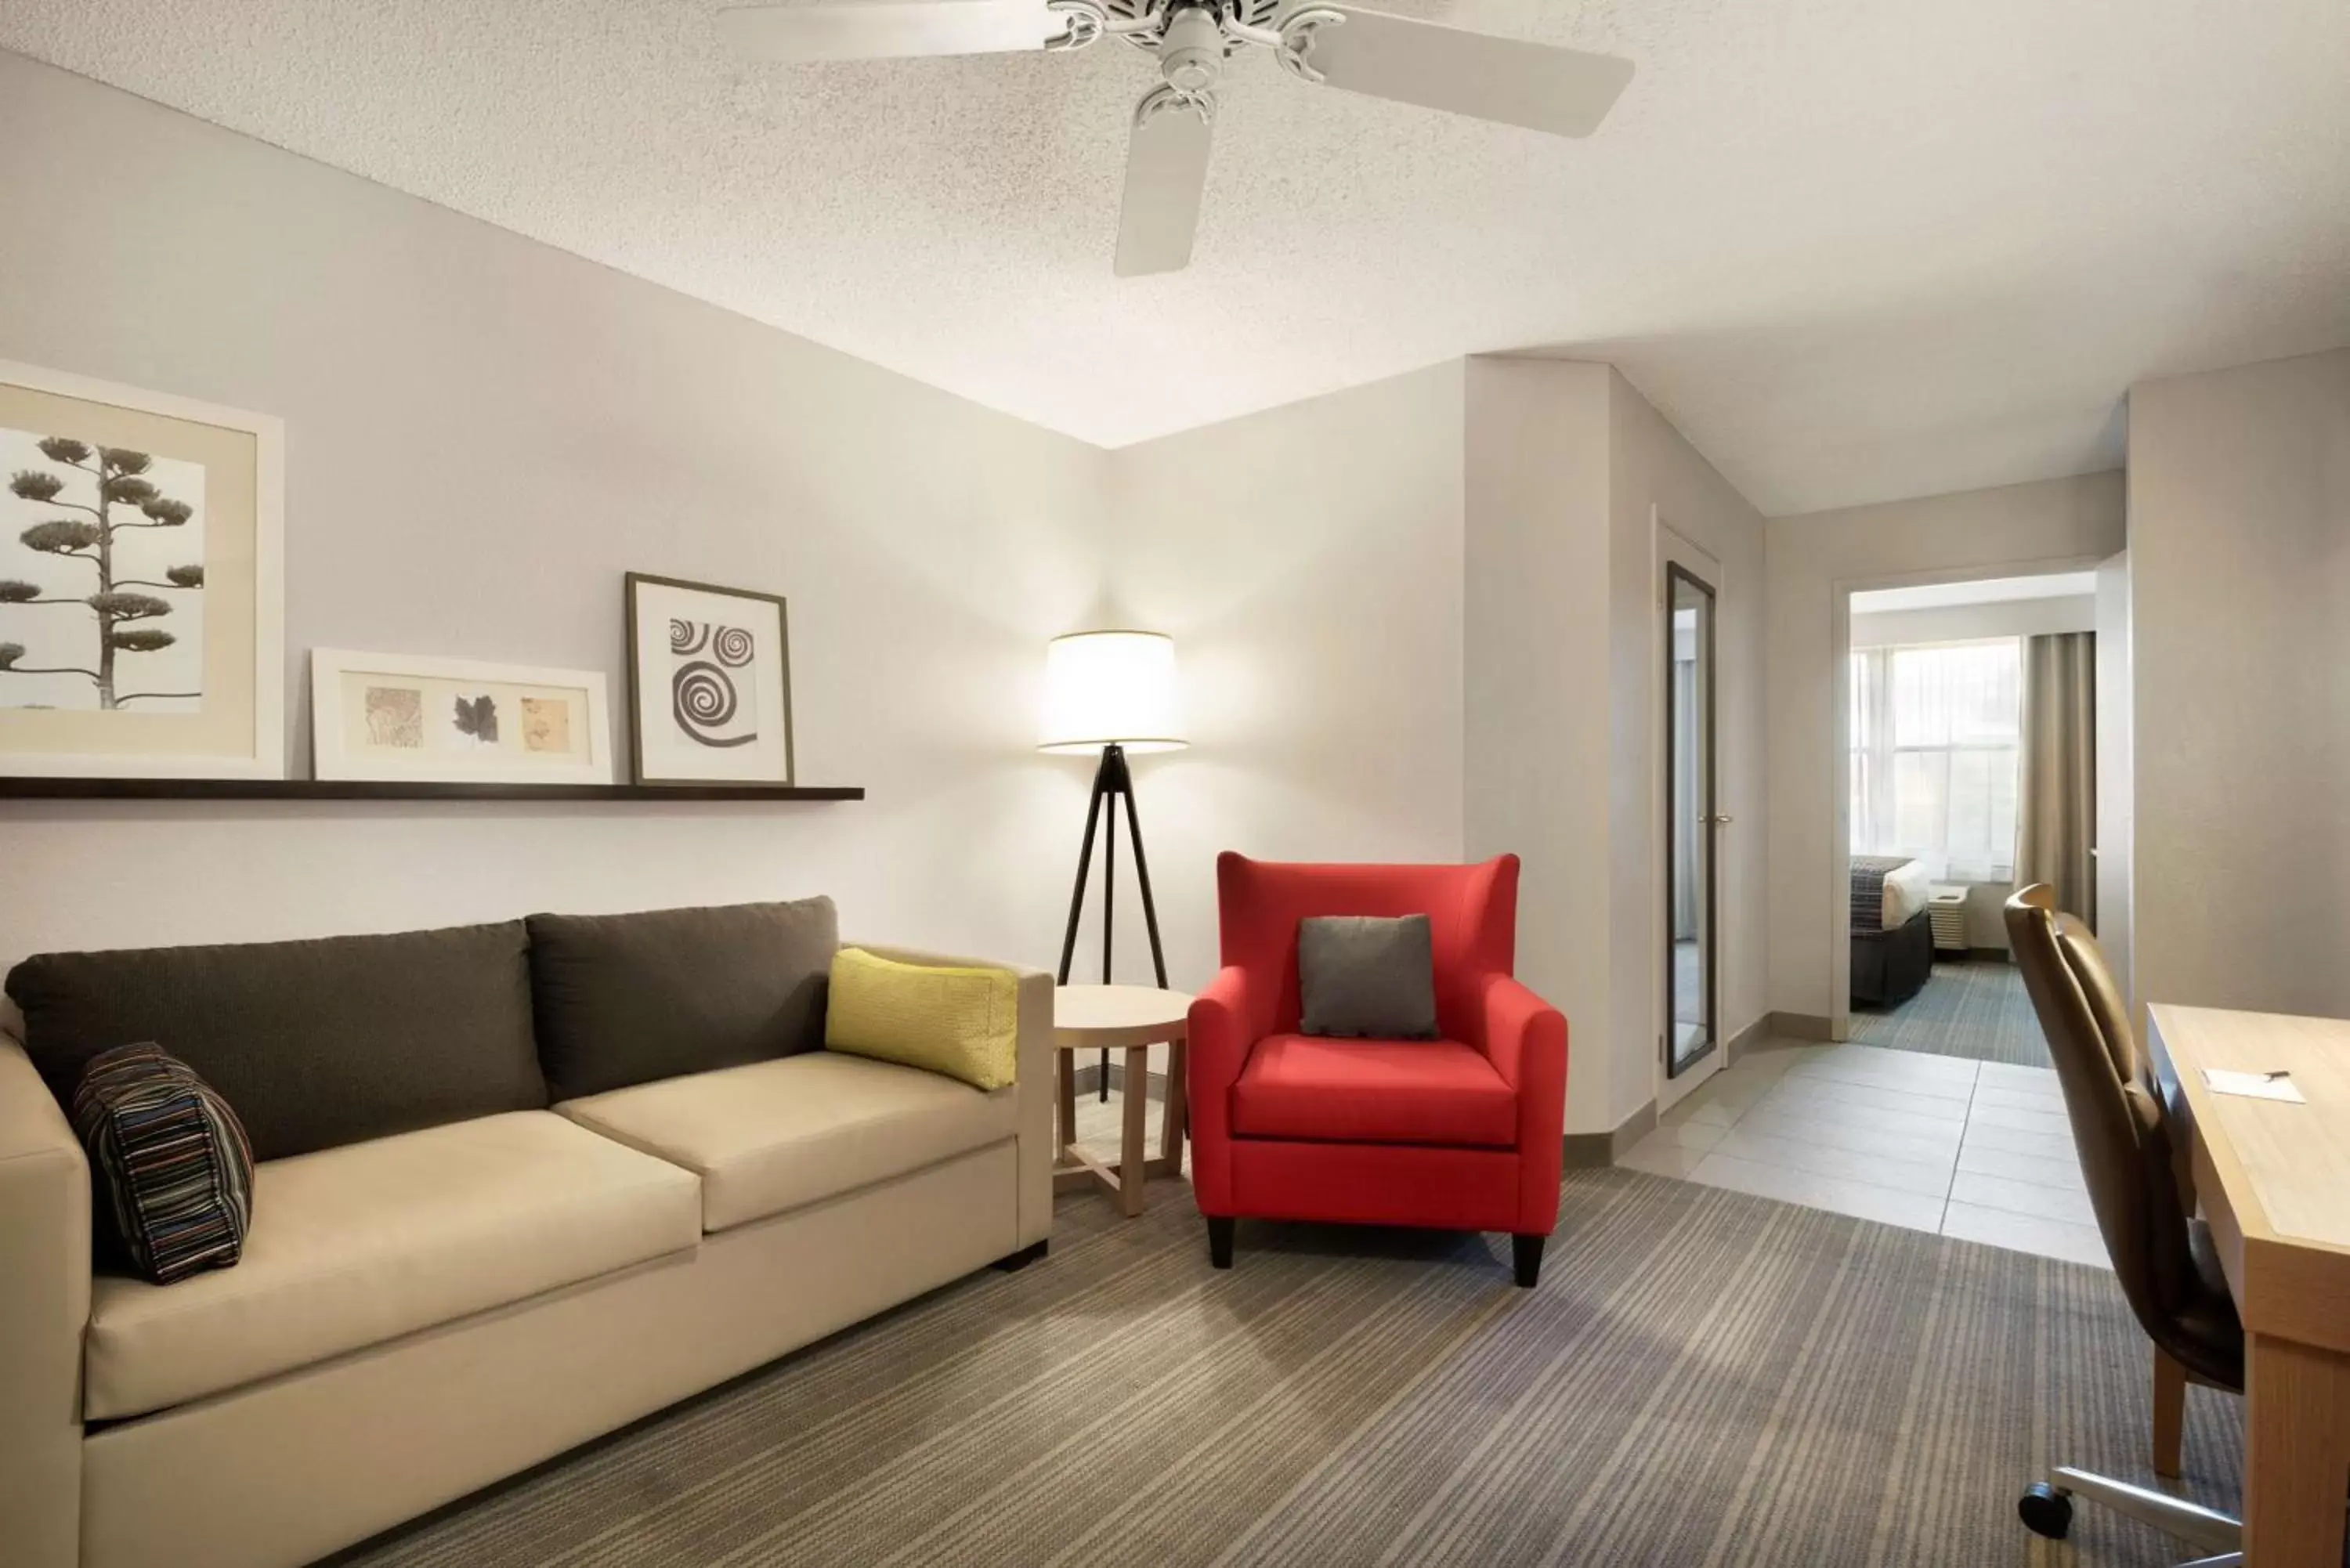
x,y
2045,1512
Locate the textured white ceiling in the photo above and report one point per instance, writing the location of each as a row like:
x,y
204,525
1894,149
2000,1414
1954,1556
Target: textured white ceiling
x,y
1856,249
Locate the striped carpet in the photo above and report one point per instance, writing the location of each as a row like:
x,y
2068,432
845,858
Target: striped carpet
x,y
1704,1378
1975,1009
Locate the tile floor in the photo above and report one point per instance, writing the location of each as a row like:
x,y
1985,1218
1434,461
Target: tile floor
x,y
1975,1149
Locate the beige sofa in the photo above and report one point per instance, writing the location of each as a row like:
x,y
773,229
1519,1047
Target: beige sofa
x,y
420,1314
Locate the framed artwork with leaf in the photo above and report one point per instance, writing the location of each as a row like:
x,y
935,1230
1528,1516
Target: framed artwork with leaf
x,y
141,583
456,720
710,683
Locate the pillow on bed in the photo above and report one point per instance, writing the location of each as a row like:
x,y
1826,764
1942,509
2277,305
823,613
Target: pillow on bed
x,y
1908,891
1886,889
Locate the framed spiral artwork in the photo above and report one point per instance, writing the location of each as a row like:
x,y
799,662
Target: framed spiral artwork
x,y
710,682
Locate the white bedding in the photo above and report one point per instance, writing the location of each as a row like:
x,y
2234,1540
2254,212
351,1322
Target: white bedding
x,y
1907,891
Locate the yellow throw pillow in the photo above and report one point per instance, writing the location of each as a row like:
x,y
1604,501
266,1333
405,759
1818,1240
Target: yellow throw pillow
x,y
959,1022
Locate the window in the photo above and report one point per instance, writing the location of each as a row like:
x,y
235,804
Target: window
x,y
1935,738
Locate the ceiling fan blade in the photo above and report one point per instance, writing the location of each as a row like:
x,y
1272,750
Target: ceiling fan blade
x,y
1564,91
890,29
1166,171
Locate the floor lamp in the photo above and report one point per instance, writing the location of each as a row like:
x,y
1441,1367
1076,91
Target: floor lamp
x,y
1111,691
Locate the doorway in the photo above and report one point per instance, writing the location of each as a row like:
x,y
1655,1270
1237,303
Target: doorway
x,y
1689,928
1969,714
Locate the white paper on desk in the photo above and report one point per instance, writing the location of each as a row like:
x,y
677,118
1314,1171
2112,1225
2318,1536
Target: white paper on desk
x,y
2252,1086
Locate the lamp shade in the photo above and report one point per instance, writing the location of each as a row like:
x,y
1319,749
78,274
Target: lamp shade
x,y
1110,688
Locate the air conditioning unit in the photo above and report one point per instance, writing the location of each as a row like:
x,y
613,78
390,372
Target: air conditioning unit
x,y
1948,910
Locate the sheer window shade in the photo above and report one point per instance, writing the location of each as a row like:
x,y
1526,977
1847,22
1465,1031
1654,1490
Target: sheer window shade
x,y
1936,736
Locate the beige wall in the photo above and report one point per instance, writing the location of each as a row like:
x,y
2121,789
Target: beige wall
x,y
1538,720
482,434
1654,473
1569,468
2070,523
1307,561
1415,620
2239,579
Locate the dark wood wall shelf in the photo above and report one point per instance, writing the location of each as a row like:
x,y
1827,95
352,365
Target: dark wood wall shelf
x,y
376,789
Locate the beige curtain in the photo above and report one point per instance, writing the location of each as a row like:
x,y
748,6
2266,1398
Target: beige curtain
x,y
2056,798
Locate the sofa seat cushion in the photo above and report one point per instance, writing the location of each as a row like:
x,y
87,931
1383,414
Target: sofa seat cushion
x,y
1373,1091
353,1246
772,1136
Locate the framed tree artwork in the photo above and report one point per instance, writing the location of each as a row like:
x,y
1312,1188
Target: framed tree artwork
x,y
710,683
141,589
455,720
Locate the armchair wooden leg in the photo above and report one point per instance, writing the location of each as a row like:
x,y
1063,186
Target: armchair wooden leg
x,y
1219,1241
1525,1256
2170,1415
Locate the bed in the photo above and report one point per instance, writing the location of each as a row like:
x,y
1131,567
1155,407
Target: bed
x,y
1892,934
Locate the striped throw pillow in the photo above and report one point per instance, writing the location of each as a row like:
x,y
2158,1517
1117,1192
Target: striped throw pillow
x,y
172,1158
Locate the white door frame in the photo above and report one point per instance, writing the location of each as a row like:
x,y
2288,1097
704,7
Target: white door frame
x,y
2117,776
1667,548
1839,861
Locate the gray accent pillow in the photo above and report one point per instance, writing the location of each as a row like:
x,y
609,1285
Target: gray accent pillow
x,y
627,999
1365,977
313,1044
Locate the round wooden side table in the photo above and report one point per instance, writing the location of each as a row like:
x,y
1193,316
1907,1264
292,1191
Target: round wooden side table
x,y
1132,1019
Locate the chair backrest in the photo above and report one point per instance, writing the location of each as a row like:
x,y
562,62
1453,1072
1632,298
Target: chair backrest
x,y
2119,1127
1472,917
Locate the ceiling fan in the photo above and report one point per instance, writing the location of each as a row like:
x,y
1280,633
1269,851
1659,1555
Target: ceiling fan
x,y
1565,91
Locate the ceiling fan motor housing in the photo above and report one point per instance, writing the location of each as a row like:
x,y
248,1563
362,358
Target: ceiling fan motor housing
x,y
1191,52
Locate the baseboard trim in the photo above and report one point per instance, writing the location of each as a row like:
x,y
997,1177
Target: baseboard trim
x,y
1746,1040
1799,1026
1088,1081
1596,1151
1588,1151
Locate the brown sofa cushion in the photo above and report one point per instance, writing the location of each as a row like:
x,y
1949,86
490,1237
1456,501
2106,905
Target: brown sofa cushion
x,y
627,999
313,1044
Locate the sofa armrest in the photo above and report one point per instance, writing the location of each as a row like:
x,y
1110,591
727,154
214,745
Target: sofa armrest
x,y
44,1310
1228,1017
1525,1039
1033,1078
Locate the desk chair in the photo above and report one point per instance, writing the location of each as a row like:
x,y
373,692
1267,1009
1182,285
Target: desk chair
x,y
2145,1206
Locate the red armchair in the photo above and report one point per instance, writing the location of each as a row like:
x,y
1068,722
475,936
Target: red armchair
x,y
1461,1133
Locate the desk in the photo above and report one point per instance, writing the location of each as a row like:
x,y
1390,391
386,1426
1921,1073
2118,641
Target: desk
x,y
2273,1181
